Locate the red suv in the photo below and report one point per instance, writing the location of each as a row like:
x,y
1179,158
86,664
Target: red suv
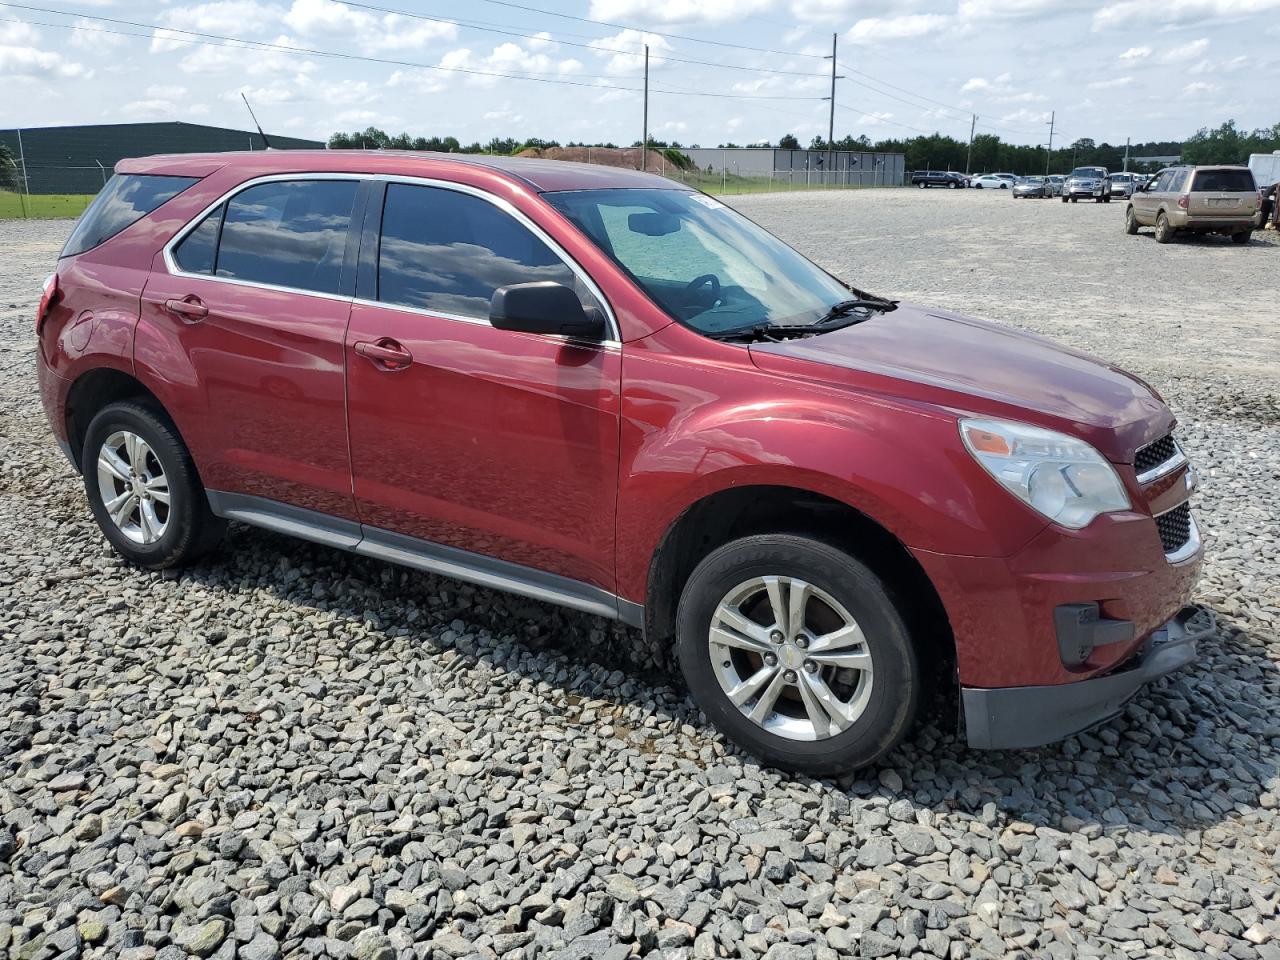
x,y
598,388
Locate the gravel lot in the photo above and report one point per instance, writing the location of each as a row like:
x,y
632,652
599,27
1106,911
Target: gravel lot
x,y
289,751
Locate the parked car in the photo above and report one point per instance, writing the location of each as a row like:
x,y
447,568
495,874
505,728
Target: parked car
x,y
1032,187
1056,183
1087,182
938,178
989,181
1011,177
1206,199
1123,184
598,388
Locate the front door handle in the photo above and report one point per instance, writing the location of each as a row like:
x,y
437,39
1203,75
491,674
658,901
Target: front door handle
x,y
188,308
385,353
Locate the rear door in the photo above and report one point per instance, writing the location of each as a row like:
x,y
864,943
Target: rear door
x,y
1223,195
498,443
256,298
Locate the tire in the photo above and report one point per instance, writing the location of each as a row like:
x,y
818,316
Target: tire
x,y
1164,232
1064,198
1242,237
922,184
1075,199
1105,198
882,701
151,534
955,186
1130,221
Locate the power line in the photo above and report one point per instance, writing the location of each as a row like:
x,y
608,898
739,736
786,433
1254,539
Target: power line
x,y
656,33
220,40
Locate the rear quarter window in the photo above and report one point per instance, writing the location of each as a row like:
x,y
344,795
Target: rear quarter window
x,y
1228,181
125,200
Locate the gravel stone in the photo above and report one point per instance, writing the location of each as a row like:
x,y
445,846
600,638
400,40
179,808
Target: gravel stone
x,y
287,751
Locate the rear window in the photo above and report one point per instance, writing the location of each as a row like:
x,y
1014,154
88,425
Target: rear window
x,y
126,199
1229,181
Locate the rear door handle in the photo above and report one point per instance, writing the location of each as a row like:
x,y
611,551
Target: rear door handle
x,y
188,308
385,353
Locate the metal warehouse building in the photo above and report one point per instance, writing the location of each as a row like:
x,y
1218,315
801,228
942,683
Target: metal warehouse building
x,y
799,167
79,159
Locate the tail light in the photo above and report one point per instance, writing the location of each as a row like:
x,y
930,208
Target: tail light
x,y
1184,201
49,296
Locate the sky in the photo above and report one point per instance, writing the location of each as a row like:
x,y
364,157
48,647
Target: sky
x,y
737,71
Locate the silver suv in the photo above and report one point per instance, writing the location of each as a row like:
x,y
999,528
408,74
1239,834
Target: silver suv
x,y
1087,182
1196,200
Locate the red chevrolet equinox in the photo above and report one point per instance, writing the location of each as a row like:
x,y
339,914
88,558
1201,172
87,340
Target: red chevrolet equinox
x,y
600,389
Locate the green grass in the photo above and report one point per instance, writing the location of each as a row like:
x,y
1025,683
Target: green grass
x,y
42,206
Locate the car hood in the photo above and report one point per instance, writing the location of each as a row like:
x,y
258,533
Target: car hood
x,y
973,366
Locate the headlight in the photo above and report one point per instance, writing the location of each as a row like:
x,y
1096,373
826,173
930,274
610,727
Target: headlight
x,y
1059,476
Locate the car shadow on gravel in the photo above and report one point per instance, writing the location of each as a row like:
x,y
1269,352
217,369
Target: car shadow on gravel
x,y
1191,751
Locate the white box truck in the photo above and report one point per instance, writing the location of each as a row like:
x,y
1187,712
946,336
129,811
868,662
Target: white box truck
x,y
1265,167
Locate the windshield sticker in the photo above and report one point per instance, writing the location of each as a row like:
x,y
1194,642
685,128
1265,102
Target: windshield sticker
x,y
709,202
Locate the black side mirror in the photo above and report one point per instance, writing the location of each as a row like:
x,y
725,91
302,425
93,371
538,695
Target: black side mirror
x,y
544,307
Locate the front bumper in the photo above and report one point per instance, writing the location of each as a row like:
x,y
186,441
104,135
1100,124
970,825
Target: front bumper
x,y
1019,717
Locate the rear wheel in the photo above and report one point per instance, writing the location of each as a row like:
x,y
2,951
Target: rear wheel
x,y
1105,198
1130,222
143,488
797,652
1242,237
1164,232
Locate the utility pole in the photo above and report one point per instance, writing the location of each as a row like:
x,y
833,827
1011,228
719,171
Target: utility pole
x,y
1048,154
644,141
831,118
26,184
968,157
1126,154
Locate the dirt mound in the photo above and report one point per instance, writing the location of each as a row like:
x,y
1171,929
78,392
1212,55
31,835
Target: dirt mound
x,y
608,156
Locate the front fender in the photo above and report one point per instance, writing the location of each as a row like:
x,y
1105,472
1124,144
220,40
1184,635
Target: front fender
x,y
899,463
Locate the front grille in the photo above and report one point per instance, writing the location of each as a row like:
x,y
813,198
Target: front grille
x,y
1154,454
1175,527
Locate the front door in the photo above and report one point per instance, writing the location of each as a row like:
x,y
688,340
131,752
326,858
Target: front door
x,y
253,298
498,443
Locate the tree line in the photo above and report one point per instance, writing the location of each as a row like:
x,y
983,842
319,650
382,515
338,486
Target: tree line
x,y
1224,144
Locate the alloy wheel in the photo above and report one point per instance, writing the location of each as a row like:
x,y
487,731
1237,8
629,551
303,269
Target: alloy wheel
x,y
134,488
791,658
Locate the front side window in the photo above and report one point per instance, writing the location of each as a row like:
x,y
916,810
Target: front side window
x,y
700,261
288,234
125,199
447,252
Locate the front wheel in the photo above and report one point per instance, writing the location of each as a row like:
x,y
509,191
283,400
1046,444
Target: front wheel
x,y
922,185
797,652
143,488
1241,238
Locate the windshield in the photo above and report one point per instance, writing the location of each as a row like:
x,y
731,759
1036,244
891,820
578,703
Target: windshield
x,y
1086,172
703,263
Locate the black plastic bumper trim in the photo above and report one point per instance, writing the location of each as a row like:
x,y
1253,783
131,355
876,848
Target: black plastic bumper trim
x,y
1003,718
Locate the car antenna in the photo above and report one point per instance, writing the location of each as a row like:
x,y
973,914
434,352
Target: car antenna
x,y
265,142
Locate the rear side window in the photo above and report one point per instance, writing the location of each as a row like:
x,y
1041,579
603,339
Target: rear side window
x,y
198,251
125,200
447,252
287,234
1229,181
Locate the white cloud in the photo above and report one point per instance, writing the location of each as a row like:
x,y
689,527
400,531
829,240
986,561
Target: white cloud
x,y
21,57
510,58
1178,11
1199,87
1007,9
676,11
1112,84
89,35
975,84
223,16
1186,51
628,60
390,31
878,29
1136,53
876,118
1027,116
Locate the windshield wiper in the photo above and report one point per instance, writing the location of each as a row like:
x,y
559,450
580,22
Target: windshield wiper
x,y
838,316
